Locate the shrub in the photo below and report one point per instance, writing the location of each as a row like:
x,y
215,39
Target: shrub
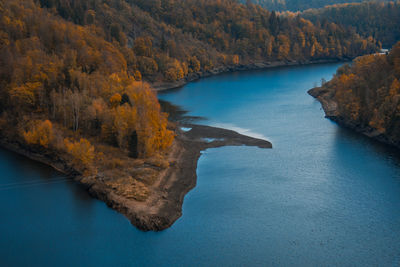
x,y
82,151
40,133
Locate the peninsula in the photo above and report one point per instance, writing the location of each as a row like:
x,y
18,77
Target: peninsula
x,y
77,78
365,96
150,192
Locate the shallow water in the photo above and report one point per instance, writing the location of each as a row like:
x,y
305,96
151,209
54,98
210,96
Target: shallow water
x,y
322,196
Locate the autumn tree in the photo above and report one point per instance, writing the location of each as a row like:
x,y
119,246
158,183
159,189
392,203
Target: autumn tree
x,y
151,123
143,47
115,100
194,64
84,64
82,152
174,71
367,94
39,133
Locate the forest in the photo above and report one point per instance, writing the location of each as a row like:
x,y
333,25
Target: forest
x,y
377,19
168,40
367,94
300,5
65,91
76,75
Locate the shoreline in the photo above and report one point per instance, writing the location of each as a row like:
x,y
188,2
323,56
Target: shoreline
x,y
48,158
325,97
164,205
163,86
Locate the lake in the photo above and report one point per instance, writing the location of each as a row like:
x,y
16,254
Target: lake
x,y
323,196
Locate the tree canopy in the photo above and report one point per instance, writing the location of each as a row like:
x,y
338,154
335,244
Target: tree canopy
x,y
376,19
367,94
300,5
79,70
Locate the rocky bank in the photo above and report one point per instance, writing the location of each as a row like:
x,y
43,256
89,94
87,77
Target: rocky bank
x,y
327,99
163,206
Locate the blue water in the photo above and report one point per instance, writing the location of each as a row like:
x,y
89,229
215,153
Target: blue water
x,y
323,196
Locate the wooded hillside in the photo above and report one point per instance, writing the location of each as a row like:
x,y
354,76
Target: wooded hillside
x,y
71,71
367,95
300,5
167,39
379,20
64,86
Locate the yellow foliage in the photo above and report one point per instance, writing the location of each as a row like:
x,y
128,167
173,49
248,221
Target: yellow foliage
x,y
194,64
394,88
115,78
41,133
151,123
115,100
175,71
97,109
82,151
377,121
235,59
137,75
124,123
284,46
364,61
346,79
24,95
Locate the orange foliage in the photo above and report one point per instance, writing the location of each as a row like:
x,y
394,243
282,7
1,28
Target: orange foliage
x,y
140,112
151,124
115,100
194,64
175,71
41,133
235,59
394,88
77,67
82,152
367,93
137,75
124,123
25,95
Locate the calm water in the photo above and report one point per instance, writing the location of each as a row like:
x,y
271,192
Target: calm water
x,y
323,196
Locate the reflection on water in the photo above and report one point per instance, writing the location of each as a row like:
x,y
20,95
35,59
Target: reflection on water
x,y
323,196
390,153
176,113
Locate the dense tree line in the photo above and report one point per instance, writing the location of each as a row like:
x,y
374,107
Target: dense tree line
x,y
169,39
367,94
60,83
377,19
299,5
71,71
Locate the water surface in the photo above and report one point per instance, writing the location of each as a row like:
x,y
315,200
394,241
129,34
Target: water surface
x,y
323,196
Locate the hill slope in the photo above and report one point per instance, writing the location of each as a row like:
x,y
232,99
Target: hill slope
x,y
379,20
365,96
299,5
78,64
72,91
171,39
